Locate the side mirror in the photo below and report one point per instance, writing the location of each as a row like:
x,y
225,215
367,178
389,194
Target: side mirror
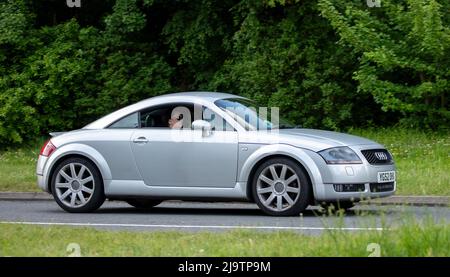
x,y
203,125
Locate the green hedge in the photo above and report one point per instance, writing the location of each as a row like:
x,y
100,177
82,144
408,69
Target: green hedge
x,y
330,63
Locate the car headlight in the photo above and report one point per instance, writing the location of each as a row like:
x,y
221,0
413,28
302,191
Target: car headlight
x,y
340,155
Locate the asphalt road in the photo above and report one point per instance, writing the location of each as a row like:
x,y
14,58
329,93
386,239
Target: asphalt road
x,y
201,216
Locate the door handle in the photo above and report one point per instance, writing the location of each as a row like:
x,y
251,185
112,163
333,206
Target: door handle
x,y
140,140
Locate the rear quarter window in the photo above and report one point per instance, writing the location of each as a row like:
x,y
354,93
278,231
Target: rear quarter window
x,y
128,122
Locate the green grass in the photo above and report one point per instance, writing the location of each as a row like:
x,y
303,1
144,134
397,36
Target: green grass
x,y
422,158
18,168
411,239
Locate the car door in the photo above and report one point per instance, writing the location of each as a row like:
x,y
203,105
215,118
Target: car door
x,y
183,157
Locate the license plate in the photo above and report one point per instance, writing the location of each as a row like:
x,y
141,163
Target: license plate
x,y
386,176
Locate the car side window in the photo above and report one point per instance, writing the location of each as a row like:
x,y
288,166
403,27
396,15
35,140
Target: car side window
x,y
154,118
159,116
217,122
127,122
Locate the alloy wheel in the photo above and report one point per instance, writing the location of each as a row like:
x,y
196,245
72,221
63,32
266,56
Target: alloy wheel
x,y
74,185
278,187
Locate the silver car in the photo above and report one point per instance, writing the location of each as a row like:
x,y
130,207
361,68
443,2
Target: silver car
x,y
210,146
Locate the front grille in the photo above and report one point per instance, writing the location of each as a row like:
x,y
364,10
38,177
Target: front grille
x,y
381,187
377,156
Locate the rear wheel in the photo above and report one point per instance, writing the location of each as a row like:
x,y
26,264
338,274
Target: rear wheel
x,y
281,187
77,186
143,203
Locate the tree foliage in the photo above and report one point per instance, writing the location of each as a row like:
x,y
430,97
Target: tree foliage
x,y
328,63
404,53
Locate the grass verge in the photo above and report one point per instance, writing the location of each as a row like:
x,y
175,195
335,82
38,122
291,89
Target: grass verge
x,y
412,239
18,168
422,158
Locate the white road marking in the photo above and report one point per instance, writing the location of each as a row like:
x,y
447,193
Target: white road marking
x,y
195,226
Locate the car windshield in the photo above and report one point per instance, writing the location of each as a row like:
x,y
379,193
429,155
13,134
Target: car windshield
x,y
253,117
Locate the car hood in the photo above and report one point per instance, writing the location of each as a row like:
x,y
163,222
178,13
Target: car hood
x,y
312,139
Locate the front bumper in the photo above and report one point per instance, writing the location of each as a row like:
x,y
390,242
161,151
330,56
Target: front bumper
x,y
364,174
330,194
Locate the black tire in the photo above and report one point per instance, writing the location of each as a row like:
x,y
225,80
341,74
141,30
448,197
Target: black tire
x,y
143,203
97,197
300,203
334,206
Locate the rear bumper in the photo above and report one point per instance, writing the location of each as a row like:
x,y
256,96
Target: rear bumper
x,y
41,182
40,168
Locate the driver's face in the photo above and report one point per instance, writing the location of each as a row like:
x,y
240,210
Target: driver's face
x,y
174,122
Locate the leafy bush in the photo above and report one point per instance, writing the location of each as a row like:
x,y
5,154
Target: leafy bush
x,y
65,76
404,54
61,68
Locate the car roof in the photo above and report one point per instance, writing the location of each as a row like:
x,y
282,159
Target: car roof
x,y
192,96
197,94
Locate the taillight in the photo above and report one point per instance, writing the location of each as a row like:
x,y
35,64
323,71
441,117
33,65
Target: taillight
x,y
47,149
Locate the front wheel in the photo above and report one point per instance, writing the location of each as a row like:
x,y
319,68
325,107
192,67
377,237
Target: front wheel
x,y
281,187
77,186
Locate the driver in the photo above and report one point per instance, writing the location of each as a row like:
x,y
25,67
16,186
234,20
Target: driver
x,y
176,121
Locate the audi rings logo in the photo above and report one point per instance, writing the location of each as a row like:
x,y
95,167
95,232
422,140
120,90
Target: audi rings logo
x,y
381,156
